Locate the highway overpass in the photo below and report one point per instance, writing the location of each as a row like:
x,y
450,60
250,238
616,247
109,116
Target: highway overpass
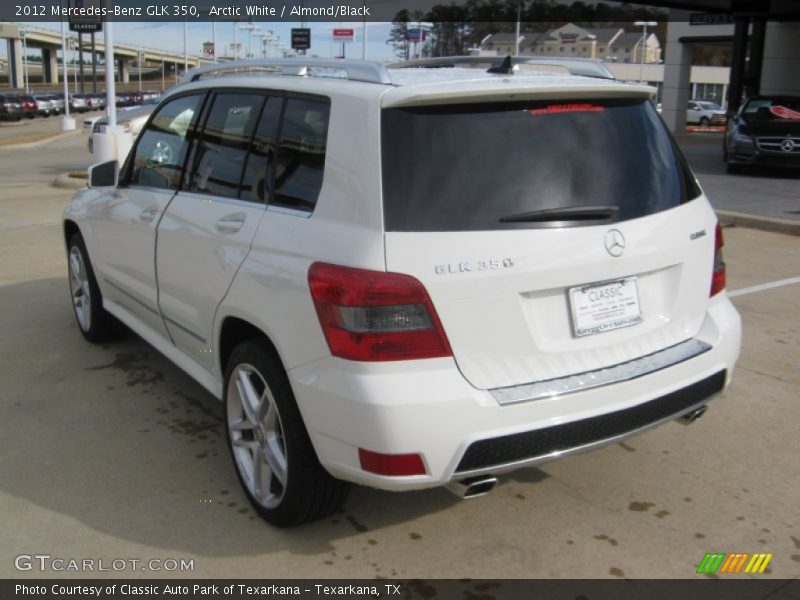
x,y
48,41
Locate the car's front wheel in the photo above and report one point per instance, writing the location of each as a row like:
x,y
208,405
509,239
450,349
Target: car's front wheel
x,y
272,453
96,324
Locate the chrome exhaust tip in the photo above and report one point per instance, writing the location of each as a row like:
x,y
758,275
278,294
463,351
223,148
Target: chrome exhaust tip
x,y
472,487
692,416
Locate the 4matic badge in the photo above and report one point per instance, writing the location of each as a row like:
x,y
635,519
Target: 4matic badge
x,y
475,266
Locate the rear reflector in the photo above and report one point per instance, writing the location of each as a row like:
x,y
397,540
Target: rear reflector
x,y
391,464
718,276
375,316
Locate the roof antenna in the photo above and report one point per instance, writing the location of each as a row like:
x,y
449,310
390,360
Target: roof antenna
x,y
505,67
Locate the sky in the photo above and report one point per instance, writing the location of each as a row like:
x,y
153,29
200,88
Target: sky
x,y
169,36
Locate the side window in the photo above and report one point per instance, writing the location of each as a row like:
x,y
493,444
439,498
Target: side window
x,y
301,153
257,179
220,148
161,149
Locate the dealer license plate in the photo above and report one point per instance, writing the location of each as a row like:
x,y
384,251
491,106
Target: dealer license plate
x,y
600,307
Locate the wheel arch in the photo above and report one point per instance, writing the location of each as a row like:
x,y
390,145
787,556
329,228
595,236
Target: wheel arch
x,y
233,331
70,229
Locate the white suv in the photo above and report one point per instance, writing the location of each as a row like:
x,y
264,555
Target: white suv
x,y
409,278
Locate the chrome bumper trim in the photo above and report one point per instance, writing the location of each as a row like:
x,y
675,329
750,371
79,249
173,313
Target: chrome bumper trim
x,y
638,367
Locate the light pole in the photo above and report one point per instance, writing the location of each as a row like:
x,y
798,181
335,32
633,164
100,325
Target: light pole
x,y
214,40
644,25
517,27
185,46
111,89
72,45
67,123
250,28
235,50
261,40
139,64
364,32
23,34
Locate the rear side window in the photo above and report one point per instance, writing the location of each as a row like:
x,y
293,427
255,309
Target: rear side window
x,y
220,149
301,153
161,149
502,166
257,179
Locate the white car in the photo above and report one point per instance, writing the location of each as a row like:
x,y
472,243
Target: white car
x,y
409,278
131,119
705,113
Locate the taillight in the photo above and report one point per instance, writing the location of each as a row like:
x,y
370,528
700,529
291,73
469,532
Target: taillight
x,y
375,316
391,464
718,276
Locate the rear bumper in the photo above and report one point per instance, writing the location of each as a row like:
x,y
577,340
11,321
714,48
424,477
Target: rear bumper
x,y
427,407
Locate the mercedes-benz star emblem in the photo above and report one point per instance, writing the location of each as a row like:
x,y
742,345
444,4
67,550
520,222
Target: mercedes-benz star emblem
x,y
788,145
615,242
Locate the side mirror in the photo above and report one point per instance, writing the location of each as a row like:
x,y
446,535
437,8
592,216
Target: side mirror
x,y
105,174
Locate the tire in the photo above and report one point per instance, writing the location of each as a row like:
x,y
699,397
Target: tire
x,y
271,451
95,323
733,169
704,122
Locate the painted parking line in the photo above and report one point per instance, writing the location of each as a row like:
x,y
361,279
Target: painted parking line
x,y
763,286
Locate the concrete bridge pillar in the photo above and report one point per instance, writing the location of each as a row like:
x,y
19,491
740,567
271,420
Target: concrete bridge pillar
x,y
781,56
50,66
677,71
124,70
15,66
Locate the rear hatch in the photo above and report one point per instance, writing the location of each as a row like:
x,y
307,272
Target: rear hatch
x,y
554,237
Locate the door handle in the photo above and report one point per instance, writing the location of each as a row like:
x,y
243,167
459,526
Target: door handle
x,y
148,215
230,223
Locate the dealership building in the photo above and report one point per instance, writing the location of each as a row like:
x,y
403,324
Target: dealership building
x,y
763,36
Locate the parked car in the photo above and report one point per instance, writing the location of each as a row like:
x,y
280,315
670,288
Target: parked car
x,y
98,101
130,119
30,108
150,97
126,99
10,107
80,103
765,131
705,113
409,278
44,105
58,103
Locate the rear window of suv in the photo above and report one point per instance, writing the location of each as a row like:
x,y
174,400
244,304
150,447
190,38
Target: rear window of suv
x,y
486,166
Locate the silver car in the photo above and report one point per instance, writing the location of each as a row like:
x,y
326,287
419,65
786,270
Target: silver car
x,y
44,105
130,119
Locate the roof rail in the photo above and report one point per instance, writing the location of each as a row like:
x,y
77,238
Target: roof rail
x,y
576,66
355,70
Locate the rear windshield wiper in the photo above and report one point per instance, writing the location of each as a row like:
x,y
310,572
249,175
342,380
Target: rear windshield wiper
x,y
567,213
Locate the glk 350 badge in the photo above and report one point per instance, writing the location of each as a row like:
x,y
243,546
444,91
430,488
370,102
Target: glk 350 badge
x,y
491,264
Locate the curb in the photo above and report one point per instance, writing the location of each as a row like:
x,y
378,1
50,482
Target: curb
x,y
47,140
65,182
737,219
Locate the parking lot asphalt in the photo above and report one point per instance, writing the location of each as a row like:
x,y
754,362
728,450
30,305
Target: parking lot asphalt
x,y
112,452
